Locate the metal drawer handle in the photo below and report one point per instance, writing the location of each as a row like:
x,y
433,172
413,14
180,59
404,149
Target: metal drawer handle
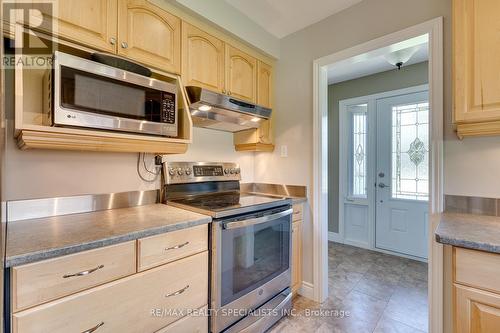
x,y
178,292
82,273
176,247
95,328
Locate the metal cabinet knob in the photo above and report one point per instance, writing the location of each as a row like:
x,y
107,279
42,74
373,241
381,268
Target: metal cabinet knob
x,y
382,185
229,92
223,91
124,45
112,40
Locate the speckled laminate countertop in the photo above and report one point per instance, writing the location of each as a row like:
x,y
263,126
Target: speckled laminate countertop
x,y
38,239
478,232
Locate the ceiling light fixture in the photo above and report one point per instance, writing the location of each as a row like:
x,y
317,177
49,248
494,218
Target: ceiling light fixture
x,y
400,57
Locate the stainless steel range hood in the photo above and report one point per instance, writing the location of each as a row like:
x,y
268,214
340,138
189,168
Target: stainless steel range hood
x,y
222,112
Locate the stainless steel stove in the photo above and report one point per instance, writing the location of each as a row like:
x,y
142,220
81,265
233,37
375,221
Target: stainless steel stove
x,y
250,244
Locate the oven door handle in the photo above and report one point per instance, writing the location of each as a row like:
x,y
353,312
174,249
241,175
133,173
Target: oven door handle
x,y
257,220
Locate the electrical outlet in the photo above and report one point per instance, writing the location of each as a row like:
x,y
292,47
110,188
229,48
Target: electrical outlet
x,y
284,151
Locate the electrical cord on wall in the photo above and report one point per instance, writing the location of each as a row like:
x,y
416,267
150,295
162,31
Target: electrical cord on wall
x,y
155,174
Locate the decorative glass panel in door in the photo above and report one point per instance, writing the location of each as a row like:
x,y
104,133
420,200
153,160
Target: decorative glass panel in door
x,y
358,149
402,176
410,151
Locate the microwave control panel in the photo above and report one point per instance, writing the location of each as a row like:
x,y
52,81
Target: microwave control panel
x,y
168,109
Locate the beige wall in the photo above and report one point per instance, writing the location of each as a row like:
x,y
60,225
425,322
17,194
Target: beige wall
x,y
408,76
47,173
358,24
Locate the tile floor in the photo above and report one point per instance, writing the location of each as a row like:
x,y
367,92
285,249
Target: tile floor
x,y
379,292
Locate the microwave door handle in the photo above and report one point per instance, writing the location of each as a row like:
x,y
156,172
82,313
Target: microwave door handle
x,y
257,220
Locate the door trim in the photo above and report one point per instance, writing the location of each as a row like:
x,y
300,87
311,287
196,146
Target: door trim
x,y
371,100
434,28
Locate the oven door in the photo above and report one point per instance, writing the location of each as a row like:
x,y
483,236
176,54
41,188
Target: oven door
x,y
251,263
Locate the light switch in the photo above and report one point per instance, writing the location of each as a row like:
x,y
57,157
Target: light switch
x,y
284,151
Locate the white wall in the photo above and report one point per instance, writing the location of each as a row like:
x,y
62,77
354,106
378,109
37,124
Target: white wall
x,y
235,22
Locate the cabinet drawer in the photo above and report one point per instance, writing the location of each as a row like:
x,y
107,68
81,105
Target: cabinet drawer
x,y
478,269
161,249
47,280
297,212
190,324
138,303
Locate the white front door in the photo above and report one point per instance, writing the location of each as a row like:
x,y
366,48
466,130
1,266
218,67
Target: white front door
x,y
402,174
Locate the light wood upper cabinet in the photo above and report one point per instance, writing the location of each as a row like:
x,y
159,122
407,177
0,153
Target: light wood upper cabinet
x,y
90,22
149,35
476,41
264,84
241,74
202,59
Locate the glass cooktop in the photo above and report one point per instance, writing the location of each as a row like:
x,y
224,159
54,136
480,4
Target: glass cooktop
x,y
228,204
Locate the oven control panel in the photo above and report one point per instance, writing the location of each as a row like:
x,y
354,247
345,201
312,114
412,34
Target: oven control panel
x,y
195,172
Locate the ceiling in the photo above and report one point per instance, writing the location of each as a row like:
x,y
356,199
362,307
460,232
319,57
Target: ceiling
x,y
283,17
375,61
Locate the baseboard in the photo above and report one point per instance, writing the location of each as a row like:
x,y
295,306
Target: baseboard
x,y
334,237
358,244
307,290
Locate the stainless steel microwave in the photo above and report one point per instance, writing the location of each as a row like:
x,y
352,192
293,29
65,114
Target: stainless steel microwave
x,y
82,93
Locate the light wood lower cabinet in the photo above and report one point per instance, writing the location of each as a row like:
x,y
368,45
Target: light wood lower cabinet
x,y
297,248
296,255
476,269
139,303
477,311
476,291
40,282
195,323
161,249
297,212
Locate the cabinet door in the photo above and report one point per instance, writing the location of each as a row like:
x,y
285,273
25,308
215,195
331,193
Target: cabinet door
x,y
264,84
149,34
296,255
241,74
476,311
90,22
476,42
203,59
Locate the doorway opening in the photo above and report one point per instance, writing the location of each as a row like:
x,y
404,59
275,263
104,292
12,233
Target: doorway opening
x,y
425,193
383,167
